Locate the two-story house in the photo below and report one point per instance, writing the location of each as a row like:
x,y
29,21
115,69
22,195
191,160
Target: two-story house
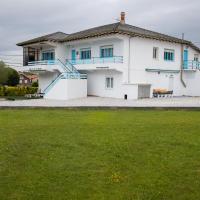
x,y
116,60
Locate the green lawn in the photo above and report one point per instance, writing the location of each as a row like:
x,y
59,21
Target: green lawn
x,y
99,154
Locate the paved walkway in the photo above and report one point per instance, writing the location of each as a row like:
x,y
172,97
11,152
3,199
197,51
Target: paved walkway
x,y
106,102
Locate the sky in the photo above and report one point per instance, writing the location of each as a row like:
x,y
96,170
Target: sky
x,y
25,19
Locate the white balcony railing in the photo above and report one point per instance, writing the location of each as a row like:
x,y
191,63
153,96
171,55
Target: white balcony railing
x,y
191,65
50,65
42,62
97,60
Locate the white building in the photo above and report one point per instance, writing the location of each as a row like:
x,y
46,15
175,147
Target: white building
x,y
116,60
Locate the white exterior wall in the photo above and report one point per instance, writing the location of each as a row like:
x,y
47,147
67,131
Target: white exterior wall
x,y
45,79
192,80
66,89
61,52
97,85
141,57
137,56
95,45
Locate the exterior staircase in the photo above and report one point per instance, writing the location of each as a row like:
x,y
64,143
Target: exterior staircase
x,y
68,71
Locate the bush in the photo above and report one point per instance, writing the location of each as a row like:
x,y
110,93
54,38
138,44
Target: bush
x,y
35,84
17,91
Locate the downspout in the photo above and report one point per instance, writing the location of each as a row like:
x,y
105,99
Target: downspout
x,y
129,58
182,63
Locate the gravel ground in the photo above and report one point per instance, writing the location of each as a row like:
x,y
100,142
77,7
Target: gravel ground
x,y
106,102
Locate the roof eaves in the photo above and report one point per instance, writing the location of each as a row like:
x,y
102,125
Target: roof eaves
x,y
31,42
68,39
42,39
149,36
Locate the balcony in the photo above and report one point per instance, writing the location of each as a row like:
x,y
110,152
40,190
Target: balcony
x,y
97,60
191,65
44,65
48,65
42,62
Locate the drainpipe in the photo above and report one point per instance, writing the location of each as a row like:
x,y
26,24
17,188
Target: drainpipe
x,y
129,58
182,63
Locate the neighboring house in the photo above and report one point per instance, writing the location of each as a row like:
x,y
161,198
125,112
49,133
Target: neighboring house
x,y
26,79
116,60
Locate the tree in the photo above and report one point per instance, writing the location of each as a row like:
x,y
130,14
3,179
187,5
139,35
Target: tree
x,y
13,78
8,76
3,73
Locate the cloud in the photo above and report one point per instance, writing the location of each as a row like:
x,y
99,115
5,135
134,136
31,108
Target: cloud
x,y
21,19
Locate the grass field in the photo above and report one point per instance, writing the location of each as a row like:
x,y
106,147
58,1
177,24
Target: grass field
x,y
99,155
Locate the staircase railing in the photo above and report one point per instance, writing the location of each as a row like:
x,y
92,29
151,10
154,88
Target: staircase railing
x,y
71,66
69,72
46,90
63,66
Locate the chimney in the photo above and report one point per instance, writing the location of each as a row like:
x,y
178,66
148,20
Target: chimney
x,y
122,20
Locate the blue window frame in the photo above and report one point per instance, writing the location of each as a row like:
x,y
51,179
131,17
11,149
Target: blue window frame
x,y
85,54
106,52
48,55
169,55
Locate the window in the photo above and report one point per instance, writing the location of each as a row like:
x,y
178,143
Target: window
x,y
155,52
48,55
106,52
85,54
169,55
196,57
109,82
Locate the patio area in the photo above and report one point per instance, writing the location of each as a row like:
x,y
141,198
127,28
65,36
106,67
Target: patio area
x,y
174,102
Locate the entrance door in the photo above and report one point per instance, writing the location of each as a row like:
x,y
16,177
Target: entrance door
x,y
73,56
185,59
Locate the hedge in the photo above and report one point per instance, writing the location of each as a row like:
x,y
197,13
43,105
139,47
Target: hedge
x,y
17,91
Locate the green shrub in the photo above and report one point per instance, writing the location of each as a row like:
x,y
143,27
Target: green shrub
x,y
2,90
35,84
10,99
17,91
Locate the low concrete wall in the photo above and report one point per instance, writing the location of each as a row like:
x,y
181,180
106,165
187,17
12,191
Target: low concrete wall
x,y
45,79
66,89
131,90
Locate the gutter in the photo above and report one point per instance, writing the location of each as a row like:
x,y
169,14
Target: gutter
x,y
129,58
181,74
